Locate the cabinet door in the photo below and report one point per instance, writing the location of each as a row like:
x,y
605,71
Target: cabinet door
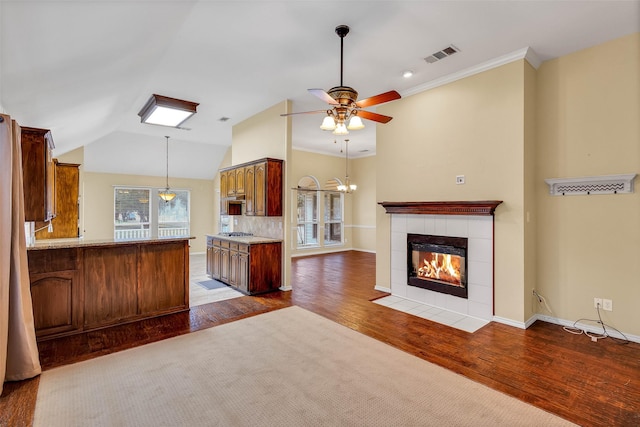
x,y
210,261
224,265
260,188
240,182
216,263
65,224
249,185
233,268
38,173
56,298
223,184
243,272
231,183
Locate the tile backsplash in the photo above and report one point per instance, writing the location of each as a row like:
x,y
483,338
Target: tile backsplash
x,y
260,226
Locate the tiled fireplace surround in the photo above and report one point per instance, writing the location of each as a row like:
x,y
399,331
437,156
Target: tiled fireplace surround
x,y
473,220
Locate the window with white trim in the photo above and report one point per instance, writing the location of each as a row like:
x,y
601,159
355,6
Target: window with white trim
x,y
307,213
333,213
139,213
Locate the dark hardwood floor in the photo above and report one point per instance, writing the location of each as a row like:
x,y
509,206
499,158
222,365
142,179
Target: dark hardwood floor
x,y
591,384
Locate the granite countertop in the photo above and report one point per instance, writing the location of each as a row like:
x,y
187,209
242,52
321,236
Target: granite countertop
x,y
249,240
81,242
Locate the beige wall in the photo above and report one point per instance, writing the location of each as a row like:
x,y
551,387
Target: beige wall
x,y
267,134
472,127
363,216
262,135
97,206
588,124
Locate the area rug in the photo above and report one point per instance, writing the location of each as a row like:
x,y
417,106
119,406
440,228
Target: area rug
x,y
289,367
211,284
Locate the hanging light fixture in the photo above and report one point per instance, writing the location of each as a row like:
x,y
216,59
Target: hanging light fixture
x,y
347,187
166,194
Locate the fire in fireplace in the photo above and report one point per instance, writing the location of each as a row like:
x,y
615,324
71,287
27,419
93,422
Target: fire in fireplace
x,y
438,263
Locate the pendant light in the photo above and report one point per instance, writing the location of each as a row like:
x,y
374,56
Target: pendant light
x,y
347,187
167,195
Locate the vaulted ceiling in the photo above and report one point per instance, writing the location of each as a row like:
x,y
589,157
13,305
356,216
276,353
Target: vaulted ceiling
x,y
85,68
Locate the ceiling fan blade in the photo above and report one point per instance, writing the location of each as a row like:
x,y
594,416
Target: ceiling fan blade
x,y
320,93
374,116
379,99
304,112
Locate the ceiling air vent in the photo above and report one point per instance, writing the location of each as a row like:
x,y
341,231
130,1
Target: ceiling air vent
x,y
441,54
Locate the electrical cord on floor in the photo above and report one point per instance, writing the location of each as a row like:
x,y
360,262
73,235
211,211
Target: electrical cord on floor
x,y
595,337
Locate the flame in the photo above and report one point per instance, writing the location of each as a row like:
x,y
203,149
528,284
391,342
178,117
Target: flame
x,y
443,267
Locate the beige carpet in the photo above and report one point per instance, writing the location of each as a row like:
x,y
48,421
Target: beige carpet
x,y
289,367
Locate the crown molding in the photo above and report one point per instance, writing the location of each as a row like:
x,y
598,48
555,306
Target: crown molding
x,y
525,53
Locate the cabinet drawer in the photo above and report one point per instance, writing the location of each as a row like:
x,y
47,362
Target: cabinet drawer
x,y
243,248
210,241
224,244
233,246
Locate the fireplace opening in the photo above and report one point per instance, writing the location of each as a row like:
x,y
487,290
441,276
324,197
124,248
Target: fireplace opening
x,y
438,263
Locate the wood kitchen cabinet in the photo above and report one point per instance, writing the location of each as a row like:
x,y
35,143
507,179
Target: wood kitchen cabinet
x,y
251,268
65,224
260,182
38,173
86,285
56,288
249,176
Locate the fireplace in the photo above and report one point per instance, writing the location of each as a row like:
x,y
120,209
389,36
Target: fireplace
x,y
437,263
471,220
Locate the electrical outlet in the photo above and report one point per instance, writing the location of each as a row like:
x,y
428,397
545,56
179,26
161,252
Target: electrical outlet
x,y
597,303
459,179
607,304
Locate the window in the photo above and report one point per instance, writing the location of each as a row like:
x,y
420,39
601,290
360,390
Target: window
x,y
311,220
307,212
139,214
333,217
307,218
132,207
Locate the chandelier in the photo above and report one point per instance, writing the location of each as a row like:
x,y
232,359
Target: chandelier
x,y
347,187
166,194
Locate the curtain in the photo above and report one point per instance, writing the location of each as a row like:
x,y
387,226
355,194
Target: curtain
x,y
18,349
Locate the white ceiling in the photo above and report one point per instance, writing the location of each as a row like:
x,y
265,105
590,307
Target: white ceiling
x,y
84,68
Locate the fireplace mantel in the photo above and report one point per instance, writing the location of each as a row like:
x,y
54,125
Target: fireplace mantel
x,y
482,207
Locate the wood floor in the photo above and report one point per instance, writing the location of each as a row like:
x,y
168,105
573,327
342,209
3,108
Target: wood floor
x,y
591,384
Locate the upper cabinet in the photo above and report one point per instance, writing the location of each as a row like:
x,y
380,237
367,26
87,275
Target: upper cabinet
x,y
65,224
260,182
38,173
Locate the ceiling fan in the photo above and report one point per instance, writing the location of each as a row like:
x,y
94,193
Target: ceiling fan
x,y
345,104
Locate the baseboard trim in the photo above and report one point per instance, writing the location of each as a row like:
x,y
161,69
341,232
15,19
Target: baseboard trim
x,y
382,289
510,322
589,328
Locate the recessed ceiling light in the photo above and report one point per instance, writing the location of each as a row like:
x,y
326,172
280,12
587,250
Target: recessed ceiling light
x,y
407,73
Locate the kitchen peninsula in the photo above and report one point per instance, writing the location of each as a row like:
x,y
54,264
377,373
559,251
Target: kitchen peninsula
x,y
79,285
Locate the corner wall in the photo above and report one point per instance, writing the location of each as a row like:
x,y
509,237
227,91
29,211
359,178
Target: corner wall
x,y
472,127
588,124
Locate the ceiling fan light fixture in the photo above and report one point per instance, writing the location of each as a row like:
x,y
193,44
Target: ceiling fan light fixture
x,y
341,129
165,111
328,123
355,123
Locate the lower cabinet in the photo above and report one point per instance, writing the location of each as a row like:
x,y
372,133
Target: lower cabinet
x,y
85,288
249,268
